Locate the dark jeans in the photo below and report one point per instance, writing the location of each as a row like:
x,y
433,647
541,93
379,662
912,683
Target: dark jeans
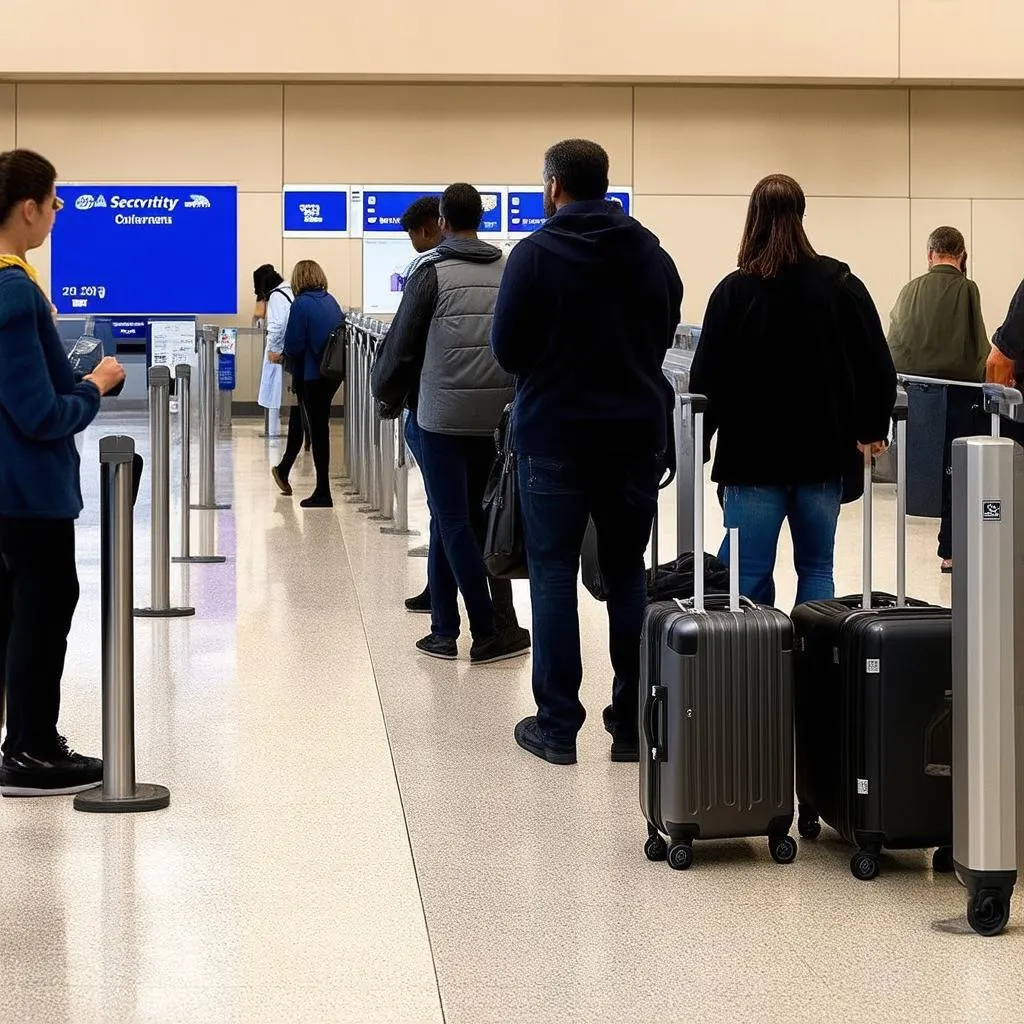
x,y
315,397
38,596
412,441
963,419
620,493
455,471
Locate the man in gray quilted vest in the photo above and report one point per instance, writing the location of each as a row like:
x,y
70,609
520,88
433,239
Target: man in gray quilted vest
x,y
438,361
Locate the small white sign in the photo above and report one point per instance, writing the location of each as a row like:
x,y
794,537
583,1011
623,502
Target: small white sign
x,y
873,666
862,787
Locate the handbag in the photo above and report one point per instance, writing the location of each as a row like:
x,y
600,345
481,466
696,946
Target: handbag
x,y
332,362
504,550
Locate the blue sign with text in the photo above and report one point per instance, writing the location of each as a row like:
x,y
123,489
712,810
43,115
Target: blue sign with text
x,y
133,249
383,209
128,329
315,211
526,209
225,371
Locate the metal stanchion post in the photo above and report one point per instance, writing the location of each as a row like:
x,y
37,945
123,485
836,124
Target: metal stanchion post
x,y
401,485
119,791
183,379
357,491
386,467
373,474
207,418
160,492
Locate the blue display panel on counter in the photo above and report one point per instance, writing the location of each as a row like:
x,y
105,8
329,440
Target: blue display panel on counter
x,y
137,249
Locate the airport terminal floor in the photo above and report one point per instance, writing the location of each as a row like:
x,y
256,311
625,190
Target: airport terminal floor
x,y
355,837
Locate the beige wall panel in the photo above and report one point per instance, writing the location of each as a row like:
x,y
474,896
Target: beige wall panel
x,y
718,141
7,139
491,135
998,261
338,257
967,143
872,236
702,234
982,36
789,38
158,133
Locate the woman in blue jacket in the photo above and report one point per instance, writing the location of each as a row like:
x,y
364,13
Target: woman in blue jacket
x,y
41,409
314,315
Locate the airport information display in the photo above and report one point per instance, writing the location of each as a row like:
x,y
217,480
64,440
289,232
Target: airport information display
x,y
138,249
318,211
526,207
377,209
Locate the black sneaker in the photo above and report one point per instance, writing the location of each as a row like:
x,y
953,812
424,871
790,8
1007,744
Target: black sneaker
x,y
420,603
317,501
442,647
282,481
530,738
512,643
625,740
60,773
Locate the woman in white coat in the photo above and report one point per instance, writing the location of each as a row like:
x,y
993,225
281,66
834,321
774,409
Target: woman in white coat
x,y
273,303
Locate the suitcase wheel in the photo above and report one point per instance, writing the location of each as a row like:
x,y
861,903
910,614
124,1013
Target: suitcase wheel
x,y
655,848
988,911
783,849
942,860
808,825
680,856
864,865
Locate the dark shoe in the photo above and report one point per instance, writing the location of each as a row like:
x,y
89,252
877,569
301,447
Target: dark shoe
x,y
530,738
625,740
317,501
512,643
420,603
442,647
59,773
282,481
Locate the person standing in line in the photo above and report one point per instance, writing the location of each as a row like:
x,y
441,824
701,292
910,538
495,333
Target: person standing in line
x,y
438,348
422,223
800,384
937,330
273,305
315,313
42,408
1005,363
588,307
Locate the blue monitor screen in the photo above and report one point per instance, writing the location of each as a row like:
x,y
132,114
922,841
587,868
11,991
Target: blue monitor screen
x,y
133,249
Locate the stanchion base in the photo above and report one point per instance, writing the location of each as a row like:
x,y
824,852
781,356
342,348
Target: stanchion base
x,y
420,552
163,613
368,508
209,508
395,531
201,559
382,518
147,797
273,437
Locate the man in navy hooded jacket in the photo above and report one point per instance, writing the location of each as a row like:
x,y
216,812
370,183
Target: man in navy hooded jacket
x,y
589,304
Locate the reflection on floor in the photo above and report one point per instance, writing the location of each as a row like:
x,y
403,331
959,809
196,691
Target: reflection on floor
x,y
354,837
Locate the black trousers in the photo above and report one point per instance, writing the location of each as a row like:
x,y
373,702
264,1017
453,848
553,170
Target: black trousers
x,y
38,596
315,398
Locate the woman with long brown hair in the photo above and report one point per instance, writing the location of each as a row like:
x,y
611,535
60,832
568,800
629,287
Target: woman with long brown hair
x,y
794,363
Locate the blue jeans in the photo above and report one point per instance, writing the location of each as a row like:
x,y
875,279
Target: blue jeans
x,y
758,513
412,442
455,471
558,497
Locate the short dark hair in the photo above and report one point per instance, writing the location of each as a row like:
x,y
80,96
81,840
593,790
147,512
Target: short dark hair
x,y
774,236
24,175
947,241
264,280
461,207
425,210
580,166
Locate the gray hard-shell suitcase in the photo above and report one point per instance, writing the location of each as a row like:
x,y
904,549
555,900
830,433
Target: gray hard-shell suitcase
x,y
716,715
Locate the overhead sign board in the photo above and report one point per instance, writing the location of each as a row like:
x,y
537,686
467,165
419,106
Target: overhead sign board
x,y
319,211
526,207
377,209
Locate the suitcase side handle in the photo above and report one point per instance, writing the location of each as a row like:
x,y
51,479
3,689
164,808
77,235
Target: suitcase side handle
x,y
656,722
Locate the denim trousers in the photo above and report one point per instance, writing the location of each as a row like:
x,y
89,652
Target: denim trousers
x,y
758,513
558,496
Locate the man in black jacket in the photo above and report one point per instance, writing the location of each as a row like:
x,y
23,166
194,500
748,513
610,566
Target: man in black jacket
x,y
588,306
1006,360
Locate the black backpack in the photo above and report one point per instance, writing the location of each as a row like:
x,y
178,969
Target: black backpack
x,y
332,362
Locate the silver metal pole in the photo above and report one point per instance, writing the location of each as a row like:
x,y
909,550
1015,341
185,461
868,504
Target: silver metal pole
x,y
374,502
183,379
207,418
355,422
386,433
401,491
160,498
684,479
119,792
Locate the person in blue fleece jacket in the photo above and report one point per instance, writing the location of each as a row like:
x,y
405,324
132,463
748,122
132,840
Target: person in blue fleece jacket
x,y
42,407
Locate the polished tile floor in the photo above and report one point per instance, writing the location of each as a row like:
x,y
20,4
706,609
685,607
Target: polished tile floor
x,y
354,837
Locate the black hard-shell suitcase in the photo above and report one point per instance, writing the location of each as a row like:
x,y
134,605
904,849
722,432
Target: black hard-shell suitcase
x,y
716,718
873,715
